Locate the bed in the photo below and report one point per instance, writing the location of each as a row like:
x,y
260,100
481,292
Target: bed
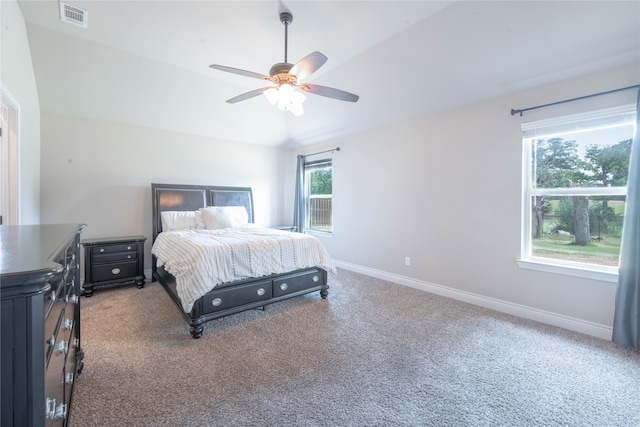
x,y
225,264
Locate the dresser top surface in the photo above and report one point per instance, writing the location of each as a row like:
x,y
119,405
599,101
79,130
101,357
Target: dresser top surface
x,y
112,240
27,251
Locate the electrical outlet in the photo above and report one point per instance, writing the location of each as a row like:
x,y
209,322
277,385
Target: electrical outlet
x,y
407,260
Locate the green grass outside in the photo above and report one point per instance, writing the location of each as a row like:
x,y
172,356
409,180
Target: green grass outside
x,y
604,252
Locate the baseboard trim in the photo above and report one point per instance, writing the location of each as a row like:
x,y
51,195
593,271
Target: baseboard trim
x,y
573,324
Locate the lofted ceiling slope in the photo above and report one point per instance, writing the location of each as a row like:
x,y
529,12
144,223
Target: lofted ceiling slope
x,y
146,62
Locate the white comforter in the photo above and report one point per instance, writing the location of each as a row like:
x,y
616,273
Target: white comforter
x,y
201,259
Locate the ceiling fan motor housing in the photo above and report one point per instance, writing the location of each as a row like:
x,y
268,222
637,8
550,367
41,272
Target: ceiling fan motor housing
x,y
280,68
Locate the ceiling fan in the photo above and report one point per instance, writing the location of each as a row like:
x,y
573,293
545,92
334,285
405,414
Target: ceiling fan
x,y
288,76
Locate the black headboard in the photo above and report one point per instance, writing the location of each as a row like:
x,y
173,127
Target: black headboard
x,y
184,197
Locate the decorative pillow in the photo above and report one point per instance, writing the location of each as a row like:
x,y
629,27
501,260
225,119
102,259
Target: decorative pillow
x,y
181,220
215,217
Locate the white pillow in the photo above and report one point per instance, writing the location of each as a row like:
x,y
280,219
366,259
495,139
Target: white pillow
x,y
237,215
216,217
181,220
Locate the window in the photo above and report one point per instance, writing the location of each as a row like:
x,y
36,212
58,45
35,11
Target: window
x,y
575,184
318,196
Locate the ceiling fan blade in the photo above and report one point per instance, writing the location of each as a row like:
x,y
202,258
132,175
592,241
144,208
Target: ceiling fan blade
x,y
247,95
330,92
307,65
239,71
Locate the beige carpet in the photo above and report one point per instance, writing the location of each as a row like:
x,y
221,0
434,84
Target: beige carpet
x,y
373,354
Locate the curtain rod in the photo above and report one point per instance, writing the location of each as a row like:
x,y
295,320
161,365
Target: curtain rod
x,y
514,112
320,152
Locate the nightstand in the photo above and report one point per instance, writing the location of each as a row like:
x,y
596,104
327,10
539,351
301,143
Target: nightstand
x,y
113,260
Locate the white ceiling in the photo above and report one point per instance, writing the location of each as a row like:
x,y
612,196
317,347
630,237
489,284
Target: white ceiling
x,y
146,62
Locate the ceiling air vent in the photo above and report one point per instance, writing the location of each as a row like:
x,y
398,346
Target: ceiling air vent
x,y
73,15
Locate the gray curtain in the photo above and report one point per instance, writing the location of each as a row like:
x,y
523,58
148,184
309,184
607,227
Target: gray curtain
x,y
626,322
298,201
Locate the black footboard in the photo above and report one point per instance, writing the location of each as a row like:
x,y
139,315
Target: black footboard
x,y
235,297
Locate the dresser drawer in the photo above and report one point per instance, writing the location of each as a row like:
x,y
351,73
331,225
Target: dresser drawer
x,y
236,295
296,282
113,271
56,407
105,249
52,327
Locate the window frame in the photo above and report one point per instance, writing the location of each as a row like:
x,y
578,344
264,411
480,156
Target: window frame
x,y
309,167
529,190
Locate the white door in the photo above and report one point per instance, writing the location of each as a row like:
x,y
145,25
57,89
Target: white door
x,y
8,159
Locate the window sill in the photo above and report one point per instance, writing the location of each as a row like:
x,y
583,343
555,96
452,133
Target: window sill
x,y
605,274
316,233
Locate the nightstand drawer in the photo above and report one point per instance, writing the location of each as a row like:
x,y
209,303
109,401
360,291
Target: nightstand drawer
x,y
114,256
104,249
113,271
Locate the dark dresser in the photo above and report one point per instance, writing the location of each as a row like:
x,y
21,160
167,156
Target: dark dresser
x,y
113,260
40,354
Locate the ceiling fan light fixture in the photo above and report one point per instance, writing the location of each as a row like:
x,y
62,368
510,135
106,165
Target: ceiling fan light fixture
x,y
286,98
272,95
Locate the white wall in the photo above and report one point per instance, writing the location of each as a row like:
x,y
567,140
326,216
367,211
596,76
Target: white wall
x,y
445,190
100,173
17,77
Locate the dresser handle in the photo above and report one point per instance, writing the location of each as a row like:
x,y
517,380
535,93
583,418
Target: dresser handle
x,y
284,286
73,299
68,324
51,408
115,271
53,296
68,378
62,348
216,302
52,340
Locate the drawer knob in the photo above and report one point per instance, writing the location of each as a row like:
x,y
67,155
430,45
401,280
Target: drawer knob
x,y
129,256
68,378
101,249
52,340
68,324
115,271
216,302
73,299
283,286
260,292
315,279
128,248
